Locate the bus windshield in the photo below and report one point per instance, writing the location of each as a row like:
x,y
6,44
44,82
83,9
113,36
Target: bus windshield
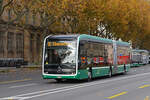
x,y
60,57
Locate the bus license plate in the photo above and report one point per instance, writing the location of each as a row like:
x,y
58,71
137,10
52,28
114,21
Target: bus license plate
x,y
58,76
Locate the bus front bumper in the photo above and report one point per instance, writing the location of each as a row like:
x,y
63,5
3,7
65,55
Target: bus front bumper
x,y
59,77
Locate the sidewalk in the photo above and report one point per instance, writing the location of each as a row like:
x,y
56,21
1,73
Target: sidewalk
x,y
14,69
7,69
31,66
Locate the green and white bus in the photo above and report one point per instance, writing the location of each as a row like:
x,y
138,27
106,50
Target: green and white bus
x,y
83,57
139,57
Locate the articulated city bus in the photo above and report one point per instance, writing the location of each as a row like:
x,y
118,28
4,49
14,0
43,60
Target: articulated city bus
x,y
83,57
139,57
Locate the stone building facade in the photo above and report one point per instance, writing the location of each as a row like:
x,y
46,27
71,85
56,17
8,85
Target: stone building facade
x,y
16,42
20,42
24,41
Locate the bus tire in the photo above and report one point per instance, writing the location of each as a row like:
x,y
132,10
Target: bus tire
x,y
89,76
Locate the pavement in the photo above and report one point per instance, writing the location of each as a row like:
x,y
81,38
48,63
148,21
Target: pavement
x,y
14,69
29,85
7,69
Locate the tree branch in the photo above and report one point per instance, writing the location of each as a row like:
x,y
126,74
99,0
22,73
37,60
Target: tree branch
x,y
3,8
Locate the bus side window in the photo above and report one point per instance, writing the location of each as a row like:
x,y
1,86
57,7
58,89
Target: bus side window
x,y
82,54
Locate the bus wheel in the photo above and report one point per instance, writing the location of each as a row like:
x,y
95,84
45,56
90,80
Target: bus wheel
x,y
58,80
89,76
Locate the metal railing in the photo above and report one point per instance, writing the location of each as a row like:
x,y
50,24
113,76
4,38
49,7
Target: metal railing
x,y
12,62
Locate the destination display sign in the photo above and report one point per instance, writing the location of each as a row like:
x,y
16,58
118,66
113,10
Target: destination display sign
x,y
57,44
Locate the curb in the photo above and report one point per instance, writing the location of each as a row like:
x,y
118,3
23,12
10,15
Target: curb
x,y
32,66
7,70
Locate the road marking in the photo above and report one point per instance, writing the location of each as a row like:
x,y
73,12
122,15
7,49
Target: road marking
x,y
23,85
14,98
147,98
14,81
119,94
148,85
67,88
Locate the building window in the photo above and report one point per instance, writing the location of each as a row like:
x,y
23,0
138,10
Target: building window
x,y
34,18
38,44
19,45
32,47
10,43
27,16
31,42
1,44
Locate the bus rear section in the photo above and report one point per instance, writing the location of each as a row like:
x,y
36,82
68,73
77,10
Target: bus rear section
x,y
99,57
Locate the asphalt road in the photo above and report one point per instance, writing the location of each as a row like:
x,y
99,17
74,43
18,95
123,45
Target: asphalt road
x,y
29,85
